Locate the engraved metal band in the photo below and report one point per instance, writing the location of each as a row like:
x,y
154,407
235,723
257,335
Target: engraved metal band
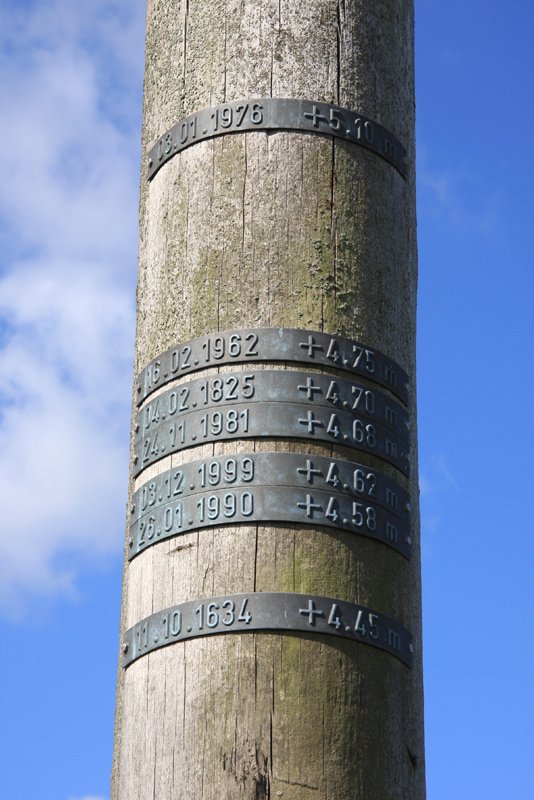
x,y
274,504
277,114
347,495
272,345
275,386
267,611
270,420
248,470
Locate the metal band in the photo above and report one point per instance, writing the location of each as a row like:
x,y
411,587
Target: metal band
x,y
260,504
249,470
280,386
276,114
267,611
272,345
269,420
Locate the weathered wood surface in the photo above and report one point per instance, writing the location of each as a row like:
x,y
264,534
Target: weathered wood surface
x,y
291,230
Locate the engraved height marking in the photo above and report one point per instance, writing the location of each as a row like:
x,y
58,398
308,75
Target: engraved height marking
x,y
311,612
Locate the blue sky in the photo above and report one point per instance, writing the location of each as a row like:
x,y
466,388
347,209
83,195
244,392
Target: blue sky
x,y
70,100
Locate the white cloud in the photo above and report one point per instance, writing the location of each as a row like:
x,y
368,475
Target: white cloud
x,y
67,272
64,377
69,169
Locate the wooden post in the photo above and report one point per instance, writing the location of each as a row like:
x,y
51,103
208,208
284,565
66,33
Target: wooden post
x,y
279,229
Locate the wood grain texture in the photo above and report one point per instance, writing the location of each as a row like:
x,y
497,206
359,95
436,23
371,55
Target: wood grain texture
x,y
275,229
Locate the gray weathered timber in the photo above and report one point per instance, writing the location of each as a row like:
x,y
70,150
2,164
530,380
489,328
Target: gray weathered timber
x,y
285,230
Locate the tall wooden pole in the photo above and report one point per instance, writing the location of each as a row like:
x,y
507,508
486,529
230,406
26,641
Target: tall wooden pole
x,y
306,225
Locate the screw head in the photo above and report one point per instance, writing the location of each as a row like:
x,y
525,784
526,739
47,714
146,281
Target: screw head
x,y
125,647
